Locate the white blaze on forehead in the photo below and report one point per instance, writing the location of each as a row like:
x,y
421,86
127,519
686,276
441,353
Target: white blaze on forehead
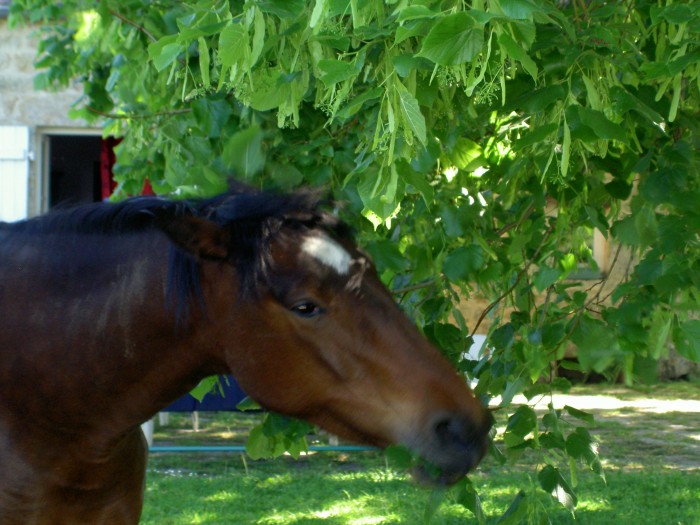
x,y
327,251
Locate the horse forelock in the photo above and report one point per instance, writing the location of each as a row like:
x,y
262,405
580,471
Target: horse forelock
x,y
254,220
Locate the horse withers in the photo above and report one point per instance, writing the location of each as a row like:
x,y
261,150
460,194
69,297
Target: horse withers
x,y
109,312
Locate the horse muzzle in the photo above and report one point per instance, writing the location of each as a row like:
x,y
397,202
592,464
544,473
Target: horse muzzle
x,y
453,445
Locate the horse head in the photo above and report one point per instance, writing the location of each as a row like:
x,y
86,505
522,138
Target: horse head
x,y
308,329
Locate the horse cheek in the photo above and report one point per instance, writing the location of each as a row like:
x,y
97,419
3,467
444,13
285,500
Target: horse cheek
x,y
263,356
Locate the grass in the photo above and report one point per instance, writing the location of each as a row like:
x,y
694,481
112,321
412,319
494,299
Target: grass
x,y
651,457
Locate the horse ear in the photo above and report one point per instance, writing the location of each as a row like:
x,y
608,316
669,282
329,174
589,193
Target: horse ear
x,y
199,237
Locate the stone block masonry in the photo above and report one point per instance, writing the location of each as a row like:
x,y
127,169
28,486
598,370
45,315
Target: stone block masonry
x,y
20,103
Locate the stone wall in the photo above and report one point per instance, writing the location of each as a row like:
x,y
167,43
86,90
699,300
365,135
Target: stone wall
x,y
20,103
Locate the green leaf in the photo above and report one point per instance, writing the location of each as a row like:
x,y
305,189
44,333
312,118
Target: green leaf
x,y
546,277
592,92
272,95
233,45
568,264
603,127
552,441
511,49
466,154
405,64
597,344
687,339
164,51
581,446
411,29
399,457
372,190
554,483
411,112
386,256
454,39
286,176
659,333
453,220
282,8
537,100
522,422
413,12
625,231
673,13
258,445
663,185
464,262
317,13
518,9
537,389
516,511
248,403
258,36
420,184
625,101
206,385
579,414
646,224
536,135
469,499
513,388
435,499
204,61
334,71
355,104
243,151
565,150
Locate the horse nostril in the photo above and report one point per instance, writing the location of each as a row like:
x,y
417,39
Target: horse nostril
x,y
459,432
455,445
448,432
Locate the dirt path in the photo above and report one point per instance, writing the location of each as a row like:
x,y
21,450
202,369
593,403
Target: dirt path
x,y
639,432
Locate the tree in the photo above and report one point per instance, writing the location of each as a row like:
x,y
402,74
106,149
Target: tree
x,y
477,146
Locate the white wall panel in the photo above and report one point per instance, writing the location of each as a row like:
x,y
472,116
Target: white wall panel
x,y
14,172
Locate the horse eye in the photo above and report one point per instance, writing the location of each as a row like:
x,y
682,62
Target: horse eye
x,y
306,309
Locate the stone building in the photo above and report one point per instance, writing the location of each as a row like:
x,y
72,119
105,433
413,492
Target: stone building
x,y
45,157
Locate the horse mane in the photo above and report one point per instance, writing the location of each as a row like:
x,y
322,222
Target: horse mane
x,y
251,217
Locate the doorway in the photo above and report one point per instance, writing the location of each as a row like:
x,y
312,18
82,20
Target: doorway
x,y
74,173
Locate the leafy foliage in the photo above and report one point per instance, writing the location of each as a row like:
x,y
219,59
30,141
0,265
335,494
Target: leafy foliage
x,y
484,141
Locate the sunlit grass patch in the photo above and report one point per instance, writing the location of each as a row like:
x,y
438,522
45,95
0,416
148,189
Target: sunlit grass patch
x,y
652,462
361,510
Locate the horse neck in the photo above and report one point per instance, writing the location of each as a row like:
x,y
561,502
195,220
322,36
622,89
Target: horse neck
x,y
97,335
163,352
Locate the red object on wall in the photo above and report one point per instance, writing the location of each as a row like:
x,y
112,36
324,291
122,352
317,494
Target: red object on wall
x,y
107,161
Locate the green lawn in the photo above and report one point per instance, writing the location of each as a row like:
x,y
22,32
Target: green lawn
x,y
651,458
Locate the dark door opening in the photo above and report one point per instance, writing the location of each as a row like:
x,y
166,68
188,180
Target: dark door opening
x,y
74,169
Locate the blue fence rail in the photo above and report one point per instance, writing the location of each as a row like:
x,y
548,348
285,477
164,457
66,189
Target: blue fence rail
x,y
241,448
214,401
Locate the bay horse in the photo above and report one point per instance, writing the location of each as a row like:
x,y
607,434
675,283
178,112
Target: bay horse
x,y
109,312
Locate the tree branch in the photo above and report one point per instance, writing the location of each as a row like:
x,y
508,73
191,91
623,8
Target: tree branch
x,y
413,288
519,278
138,117
133,24
517,223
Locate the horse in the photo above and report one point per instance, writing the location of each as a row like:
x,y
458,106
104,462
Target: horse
x,y
109,312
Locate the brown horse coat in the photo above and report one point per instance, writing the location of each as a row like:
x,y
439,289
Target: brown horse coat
x,y
109,312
